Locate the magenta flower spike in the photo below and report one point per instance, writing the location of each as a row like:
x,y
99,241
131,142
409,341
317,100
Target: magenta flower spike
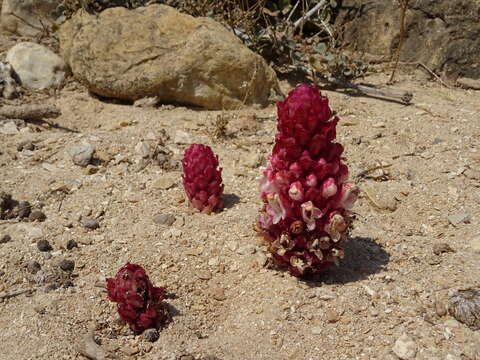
x,y
140,304
202,178
307,199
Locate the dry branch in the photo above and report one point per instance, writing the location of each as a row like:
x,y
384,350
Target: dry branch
x,y
404,96
11,294
29,112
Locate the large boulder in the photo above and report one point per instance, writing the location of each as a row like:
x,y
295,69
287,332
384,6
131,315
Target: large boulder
x,y
158,51
36,66
27,17
442,34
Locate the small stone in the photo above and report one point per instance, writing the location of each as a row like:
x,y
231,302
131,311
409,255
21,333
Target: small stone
x,y
24,209
475,244
218,294
5,238
67,265
91,169
130,350
246,250
316,330
71,244
37,215
459,217
405,348
440,248
151,335
25,145
43,245
165,182
90,223
437,141
440,308
332,316
253,160
9,128
33,267
82,154
164,219
232,245
204,274
182,137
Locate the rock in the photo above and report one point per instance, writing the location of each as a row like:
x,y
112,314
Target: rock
x,y
317,330
182,137
5,238
37,215
380,196
36,66
26,145
67,265
82,154
332,316
459,217
166,54
464,305
9,88
405,348
475,244
27,18
71,244
43,245
151,335
218,294
33,267
440,248
246,250
440,307
90,224
24,209
374,29
9,128
164,219
204,274
165,181
253,160
90,349
469,83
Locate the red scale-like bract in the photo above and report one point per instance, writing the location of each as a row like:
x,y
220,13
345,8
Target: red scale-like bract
x,y
139,302
306,195
202,178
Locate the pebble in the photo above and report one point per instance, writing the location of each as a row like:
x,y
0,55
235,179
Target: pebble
x,y
182,137
246,250
440,248
82,154
405,348
25,145
24,209
232,245
5,238
90,223
440,308
164,219
165,182
130,350
316,330
475,244
43,245
332,316
67,265
9,128
218,294
33,267
204,274
71,244
459,217
37,215
253,160
151,335
91,169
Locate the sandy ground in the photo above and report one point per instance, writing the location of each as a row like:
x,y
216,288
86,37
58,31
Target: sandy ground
x,y
414,240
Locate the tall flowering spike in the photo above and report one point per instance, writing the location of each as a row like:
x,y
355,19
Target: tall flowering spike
x,y
307,199
139,302
202,178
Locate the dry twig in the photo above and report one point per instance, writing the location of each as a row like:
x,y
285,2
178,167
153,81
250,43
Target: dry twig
x,y
29,112
403,7
7,295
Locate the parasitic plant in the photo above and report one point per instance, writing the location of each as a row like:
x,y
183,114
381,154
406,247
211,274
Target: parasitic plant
x,y
140,304
202,178
307,199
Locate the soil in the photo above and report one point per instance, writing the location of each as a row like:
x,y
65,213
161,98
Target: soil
x,y
414,237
